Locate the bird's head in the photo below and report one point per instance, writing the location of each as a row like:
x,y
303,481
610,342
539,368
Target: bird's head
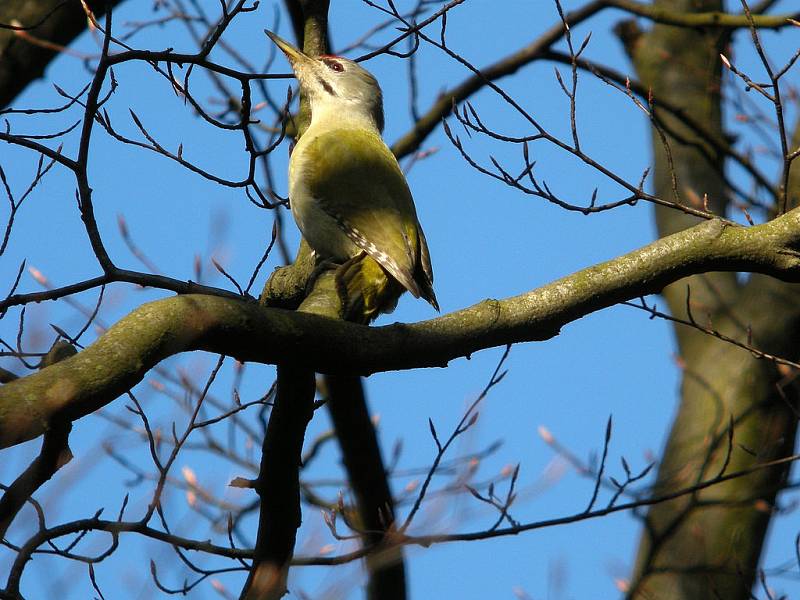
x,y
334,85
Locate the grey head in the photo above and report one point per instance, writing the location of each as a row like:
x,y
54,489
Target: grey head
x,y
334,83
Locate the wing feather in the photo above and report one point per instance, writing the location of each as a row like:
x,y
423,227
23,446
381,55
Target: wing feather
x,y
359,183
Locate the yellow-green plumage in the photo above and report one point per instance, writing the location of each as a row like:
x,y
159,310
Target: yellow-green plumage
x,y
347,192
366,289
348,179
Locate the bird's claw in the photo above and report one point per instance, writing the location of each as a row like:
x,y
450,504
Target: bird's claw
x,y
323,265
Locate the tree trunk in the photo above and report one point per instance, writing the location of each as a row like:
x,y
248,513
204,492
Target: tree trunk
x,y
708,545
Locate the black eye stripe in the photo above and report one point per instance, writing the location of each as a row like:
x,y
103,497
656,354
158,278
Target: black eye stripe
x,y
326,86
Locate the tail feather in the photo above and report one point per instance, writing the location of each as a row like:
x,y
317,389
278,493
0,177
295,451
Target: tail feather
x,y
366,289
424,271
427,293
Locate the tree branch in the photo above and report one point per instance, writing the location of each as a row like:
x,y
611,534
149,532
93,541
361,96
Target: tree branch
x,y
55,453
539,48
119,359
54,22
698,20
362,459
509,65
278,484
688,547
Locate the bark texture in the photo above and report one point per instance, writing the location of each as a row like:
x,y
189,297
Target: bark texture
x,y
49,24
708,545
121,357
361,455
278,484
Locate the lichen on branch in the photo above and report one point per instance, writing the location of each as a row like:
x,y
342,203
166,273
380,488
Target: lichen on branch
x,y
121,357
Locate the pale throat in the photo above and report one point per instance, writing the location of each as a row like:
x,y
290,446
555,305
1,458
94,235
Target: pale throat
x,y
337,113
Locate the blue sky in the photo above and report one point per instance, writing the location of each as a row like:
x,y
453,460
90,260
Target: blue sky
x,y
486,240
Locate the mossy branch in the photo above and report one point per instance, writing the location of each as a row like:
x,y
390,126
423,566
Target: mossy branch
x,y
699,20
121,357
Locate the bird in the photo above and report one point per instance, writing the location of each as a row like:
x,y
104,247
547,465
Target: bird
x,y
347,192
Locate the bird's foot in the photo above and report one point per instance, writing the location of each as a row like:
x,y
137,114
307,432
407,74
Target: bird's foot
x,y
323,265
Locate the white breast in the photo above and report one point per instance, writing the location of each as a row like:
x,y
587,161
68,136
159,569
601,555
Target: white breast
x,y
320,230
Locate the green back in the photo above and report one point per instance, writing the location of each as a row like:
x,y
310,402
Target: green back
x,y
356,179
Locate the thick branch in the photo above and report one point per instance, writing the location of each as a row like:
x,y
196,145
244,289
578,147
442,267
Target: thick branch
x,y
54,22
682,67
55,453
708,545
119,359
698,20
361,455
278,484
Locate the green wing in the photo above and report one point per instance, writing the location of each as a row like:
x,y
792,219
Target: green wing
x,y
358,182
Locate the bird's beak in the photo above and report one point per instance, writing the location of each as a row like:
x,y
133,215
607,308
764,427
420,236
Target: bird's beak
x,y
294,55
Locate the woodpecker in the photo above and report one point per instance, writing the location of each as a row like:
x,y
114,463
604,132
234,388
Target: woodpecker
x,y
347,192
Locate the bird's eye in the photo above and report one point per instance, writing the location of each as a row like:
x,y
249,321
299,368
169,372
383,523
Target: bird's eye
x,y
334,66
